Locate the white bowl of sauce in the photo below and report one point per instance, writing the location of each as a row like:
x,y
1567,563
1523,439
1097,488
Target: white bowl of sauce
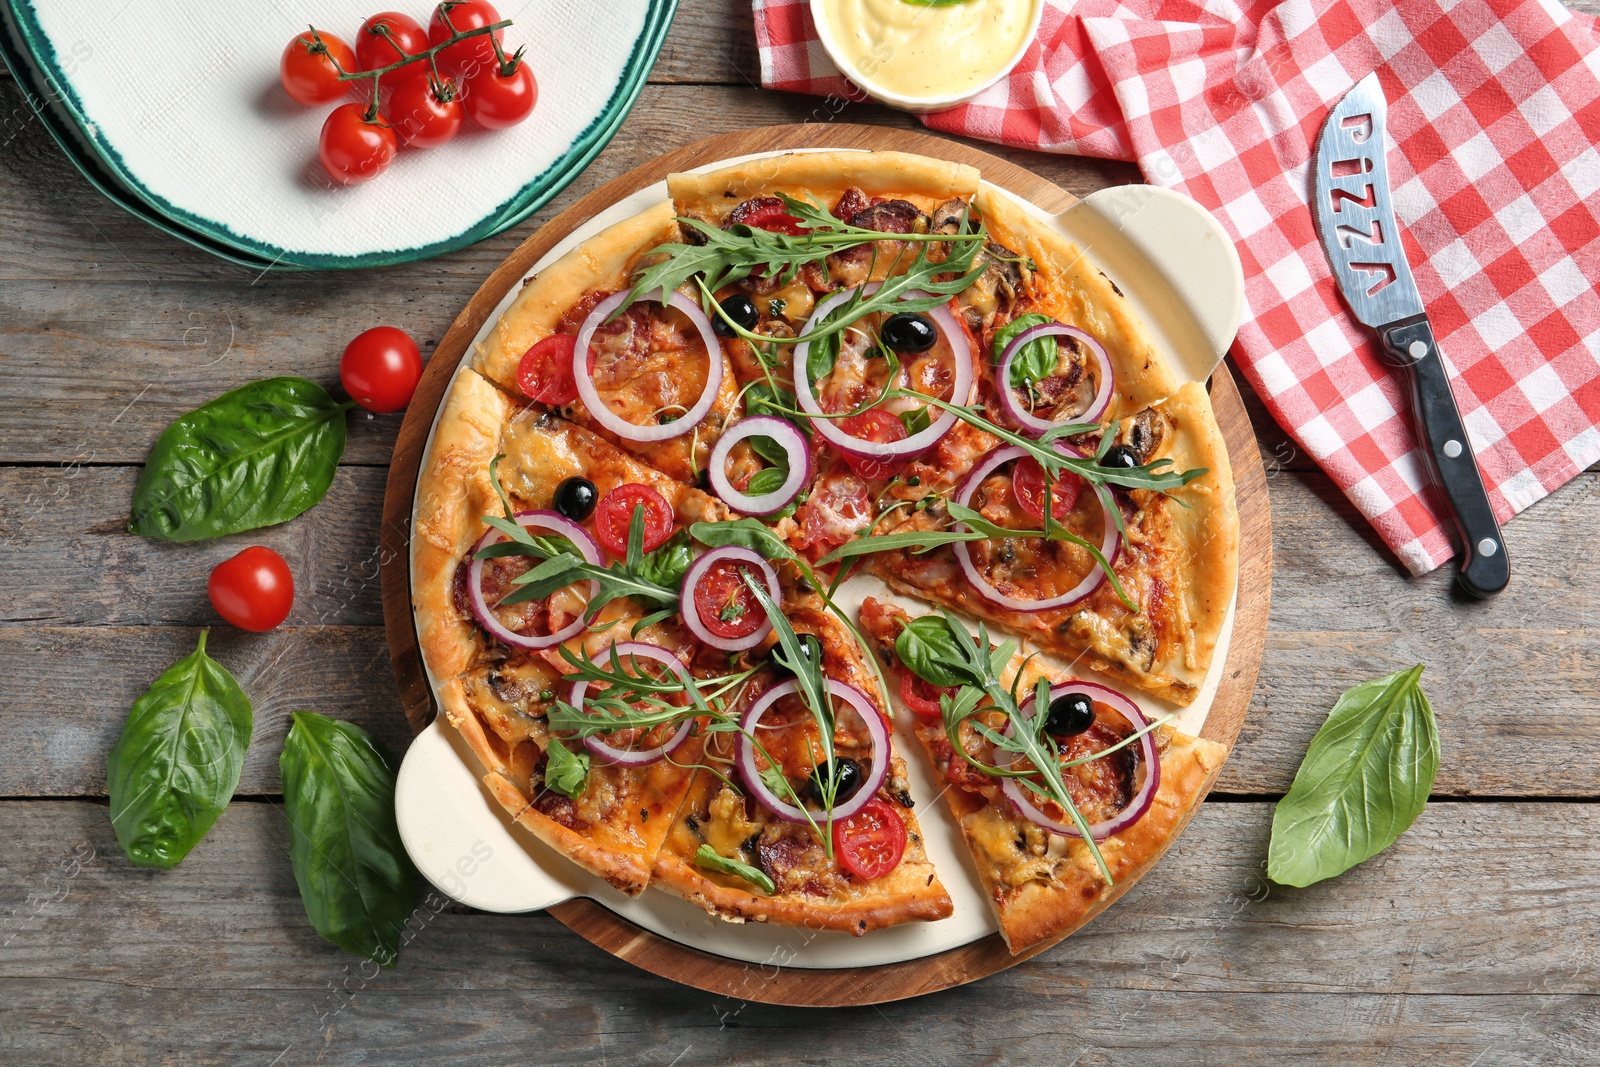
x,y
925,57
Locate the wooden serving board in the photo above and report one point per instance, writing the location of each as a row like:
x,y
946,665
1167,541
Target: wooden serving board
x,y
775,984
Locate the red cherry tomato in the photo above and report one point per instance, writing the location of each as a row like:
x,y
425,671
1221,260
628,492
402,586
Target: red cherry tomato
x,y
376,48
254,590
1027,485
875,425
725,604
380,369
496,101
545,373
425,113
354,150
922,697
475,53
615,513
871,842
310,77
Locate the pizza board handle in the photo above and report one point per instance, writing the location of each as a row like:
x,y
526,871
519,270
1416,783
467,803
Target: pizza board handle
x,y
460,841
1158,239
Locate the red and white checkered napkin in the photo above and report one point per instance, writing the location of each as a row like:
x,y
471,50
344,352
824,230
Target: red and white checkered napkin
x,y
1494,117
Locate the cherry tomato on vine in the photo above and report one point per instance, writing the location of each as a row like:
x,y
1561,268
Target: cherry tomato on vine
x,y
545,373
725,604
614,515
871,842
498,101
380,369
475,53
377,39
253,590
310,77
425,113
922,697
878,426
354,150
1027,485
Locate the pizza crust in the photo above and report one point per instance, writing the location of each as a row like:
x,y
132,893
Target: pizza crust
x,y
824,176
1071,289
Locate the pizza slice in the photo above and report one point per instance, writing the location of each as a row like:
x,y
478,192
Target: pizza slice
x,y
1152,619
502,661
1131,784
754,840
654,381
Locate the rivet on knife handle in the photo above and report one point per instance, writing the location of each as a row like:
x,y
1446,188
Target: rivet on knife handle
x,y
1485,569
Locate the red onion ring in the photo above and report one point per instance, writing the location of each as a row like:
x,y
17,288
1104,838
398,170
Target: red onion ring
x,y
1032,424
545,520
696,574
745,752
611,420
960,391
1020,795
629,757
794,445
1110,543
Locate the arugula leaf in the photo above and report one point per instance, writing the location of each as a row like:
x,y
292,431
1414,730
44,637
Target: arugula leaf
x,y
256,456
176,764
823,353
565,771
763,399
915,420
355,879
768,449
710,858
744,533
767,480
1364,781
1038,358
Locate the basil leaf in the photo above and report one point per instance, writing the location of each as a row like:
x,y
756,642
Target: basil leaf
x,y
1365,779
566,772
931,651
667,565
176,764
822,355
915,420
256,456
762,399
1037,359
767,480
745,533
710,858
768,449
355,878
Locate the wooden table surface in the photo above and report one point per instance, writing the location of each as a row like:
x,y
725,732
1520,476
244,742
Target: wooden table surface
x,y
1473,941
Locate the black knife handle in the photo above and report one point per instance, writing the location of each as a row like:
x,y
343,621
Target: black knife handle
x,y
1485,570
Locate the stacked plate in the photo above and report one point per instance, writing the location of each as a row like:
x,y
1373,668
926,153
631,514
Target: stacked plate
x,y
174,112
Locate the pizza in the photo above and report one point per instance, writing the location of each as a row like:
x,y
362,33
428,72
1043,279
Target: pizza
x,y
682,441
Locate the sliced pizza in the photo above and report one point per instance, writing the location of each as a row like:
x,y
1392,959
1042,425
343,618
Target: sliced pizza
x,y
1111,787
1139,586
802,815
501,660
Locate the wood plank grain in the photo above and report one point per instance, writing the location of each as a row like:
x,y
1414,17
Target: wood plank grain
x,y
65,528
1204,961
66,692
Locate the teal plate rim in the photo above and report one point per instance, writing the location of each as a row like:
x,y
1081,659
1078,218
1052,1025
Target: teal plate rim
x,y
538,192
40,101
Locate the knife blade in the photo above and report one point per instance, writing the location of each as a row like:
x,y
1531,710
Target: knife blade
x,y
1356,221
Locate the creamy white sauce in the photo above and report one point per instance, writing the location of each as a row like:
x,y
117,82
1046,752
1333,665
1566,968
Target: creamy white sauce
x,y
919,51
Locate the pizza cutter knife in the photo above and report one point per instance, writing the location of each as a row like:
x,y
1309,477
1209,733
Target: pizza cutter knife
x,y
1355,219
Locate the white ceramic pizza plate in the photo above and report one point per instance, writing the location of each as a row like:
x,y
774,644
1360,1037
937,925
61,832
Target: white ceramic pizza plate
x,y
1183,275
180,104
